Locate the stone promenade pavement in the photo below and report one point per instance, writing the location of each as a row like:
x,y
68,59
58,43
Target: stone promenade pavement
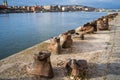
x,y
113,66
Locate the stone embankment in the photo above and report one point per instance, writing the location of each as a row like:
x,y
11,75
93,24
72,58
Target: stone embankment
x,y
101,50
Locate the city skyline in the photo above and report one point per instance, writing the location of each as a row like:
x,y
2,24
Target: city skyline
x,y
94,3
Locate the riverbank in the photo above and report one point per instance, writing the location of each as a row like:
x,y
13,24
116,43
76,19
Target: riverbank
x,y
101,50
45,8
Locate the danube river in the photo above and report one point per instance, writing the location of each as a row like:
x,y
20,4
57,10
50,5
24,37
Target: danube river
x,y
19,31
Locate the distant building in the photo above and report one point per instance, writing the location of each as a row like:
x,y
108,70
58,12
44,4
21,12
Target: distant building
x,y
86,9
2,7
5,3
47,8
35,8
79,8
28,8
52,8
60,8
38,8
65,8
16,7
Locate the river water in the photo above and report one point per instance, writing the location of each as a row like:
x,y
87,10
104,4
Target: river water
x,y
19,31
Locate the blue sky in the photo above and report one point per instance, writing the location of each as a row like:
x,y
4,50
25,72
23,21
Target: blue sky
x,y
92,3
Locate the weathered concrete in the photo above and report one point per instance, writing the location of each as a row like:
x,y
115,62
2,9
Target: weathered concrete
x,y
113,64
100,50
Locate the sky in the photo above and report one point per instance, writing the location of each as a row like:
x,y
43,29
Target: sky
x,y
112,4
